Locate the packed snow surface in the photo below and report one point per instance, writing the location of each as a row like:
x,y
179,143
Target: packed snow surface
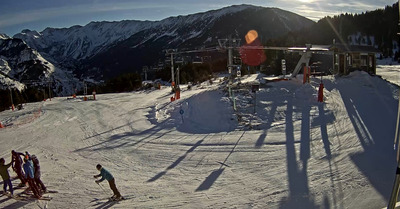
x,y
288,151
389,70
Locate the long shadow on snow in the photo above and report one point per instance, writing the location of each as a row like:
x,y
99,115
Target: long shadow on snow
x,y
174,164
322,120
261,139
130,138
126,139
367,114
212,178
108,131
106,205
327,143
6,198
299,193
19,204
272,98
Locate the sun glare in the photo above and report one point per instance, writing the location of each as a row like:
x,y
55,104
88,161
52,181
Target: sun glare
x,y
251,36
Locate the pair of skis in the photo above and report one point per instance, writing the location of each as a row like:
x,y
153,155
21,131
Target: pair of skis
x,y
27,198
113,198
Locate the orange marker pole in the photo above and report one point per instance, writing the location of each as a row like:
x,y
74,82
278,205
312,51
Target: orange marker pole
x,y
304,74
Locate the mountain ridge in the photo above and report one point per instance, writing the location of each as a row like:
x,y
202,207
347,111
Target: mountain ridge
x,y
195,31
103,49
95,37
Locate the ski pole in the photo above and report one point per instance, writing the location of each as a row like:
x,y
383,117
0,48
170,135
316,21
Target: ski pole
x,y
101,188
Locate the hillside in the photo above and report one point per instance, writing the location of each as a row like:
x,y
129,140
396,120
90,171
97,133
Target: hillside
x,y
202,30
377,28
298,153
101,50
22,66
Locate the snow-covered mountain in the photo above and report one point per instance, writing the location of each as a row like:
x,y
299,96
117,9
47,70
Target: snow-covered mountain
x,y
193,31
80,42
4,36
100,50
5,80
21,65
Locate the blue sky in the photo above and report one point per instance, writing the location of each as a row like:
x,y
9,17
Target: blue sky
x,y
16,15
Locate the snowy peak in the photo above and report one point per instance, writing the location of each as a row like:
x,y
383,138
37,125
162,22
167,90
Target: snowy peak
x,y
201,30
79,42
4,36
119,46
82,42
21,65
208,26
23,60
5,80
214,14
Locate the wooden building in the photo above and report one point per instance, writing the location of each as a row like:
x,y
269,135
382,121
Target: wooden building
x,y
348,58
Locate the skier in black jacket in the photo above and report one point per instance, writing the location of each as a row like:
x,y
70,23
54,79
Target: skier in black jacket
x,y
17,166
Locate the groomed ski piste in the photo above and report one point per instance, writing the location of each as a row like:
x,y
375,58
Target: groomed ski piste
x,y
198,152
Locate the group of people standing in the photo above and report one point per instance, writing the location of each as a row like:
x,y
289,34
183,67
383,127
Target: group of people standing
x,y
28,171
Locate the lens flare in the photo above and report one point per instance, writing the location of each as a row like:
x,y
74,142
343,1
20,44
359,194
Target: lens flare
x,y
252,52
251,36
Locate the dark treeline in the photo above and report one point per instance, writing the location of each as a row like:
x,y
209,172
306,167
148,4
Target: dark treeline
x,y
122,83
381,24
188,73
30,94
194,73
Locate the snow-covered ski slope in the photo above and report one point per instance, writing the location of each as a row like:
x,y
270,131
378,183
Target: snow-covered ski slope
x,y
293,153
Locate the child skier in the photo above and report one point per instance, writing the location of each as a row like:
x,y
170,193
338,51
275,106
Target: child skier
x,y
29,175
107,175
6,176
17,166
